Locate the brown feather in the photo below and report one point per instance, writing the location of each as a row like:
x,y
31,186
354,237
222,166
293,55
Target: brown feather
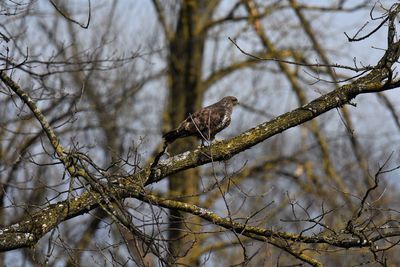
x,y
205,123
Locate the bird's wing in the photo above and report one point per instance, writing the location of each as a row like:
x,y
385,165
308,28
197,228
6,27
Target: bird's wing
x,y
204,120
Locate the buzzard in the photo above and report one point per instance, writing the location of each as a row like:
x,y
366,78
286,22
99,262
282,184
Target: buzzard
x,y
205,123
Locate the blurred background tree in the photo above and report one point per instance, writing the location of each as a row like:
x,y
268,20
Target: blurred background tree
x,y
111,76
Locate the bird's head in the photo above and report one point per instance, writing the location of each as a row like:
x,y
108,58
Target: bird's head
x,y
230,101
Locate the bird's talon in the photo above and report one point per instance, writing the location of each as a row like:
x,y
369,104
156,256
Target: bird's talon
x,y
166,152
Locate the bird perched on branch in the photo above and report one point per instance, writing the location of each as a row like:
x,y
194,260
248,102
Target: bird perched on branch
x,y
205,123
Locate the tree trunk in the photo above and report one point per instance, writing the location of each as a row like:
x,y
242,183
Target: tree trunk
x,y
185,67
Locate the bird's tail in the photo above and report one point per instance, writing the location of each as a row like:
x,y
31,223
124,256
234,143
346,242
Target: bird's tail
x,y
171,136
